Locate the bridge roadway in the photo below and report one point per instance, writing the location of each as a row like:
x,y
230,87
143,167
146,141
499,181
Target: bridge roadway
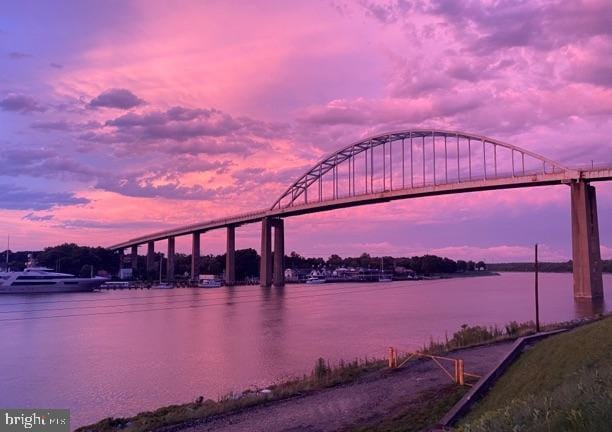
x,y
481,164
529,180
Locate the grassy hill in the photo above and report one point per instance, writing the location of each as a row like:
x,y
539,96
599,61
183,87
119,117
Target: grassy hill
x,y
564,383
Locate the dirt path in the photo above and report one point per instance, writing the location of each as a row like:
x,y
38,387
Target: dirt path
x,y
339,407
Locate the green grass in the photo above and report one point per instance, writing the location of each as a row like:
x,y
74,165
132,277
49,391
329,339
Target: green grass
x,y
469,336
415,415
323,376
563,383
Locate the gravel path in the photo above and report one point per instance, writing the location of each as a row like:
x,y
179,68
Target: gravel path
x,y
369,398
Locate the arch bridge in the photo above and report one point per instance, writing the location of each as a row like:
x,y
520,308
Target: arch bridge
x,y
402,165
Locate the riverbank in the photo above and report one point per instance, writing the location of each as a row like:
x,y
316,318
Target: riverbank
x,y
419,391
563,382
358,390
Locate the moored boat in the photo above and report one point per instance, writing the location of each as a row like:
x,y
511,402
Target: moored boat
x,y
36,280
315,280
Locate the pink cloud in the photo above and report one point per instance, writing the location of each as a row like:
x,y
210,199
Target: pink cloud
x,y
236,111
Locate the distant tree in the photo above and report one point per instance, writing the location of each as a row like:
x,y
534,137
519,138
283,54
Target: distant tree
x,y
481,265
461,266
247,263
364,260
471,265
334,261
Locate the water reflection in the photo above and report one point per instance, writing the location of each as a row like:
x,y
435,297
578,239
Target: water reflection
x,y
120,352
587,307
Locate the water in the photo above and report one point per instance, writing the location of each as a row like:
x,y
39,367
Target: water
x,y
117,353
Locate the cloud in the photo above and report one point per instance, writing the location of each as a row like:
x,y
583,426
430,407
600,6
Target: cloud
x,y
116,98
43,162
181,130
80,224
486,28
16,55
36,218
155,187
20,103
17,198
60,125
56,65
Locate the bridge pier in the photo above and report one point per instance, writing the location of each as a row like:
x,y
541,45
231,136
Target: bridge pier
x,y
230,257
279,253
195,256
170,264
134,256
265,264
588,282
150,256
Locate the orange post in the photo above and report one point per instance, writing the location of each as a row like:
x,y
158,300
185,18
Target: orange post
x,y
460,372
392,358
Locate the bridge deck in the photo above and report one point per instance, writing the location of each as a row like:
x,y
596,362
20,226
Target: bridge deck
x,y
530,180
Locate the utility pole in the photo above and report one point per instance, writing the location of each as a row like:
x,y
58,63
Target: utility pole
x,y
537,296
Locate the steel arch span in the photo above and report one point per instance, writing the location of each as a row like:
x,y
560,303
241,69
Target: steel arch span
x,y
410,160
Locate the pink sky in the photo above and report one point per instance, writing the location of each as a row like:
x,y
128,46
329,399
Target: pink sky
x,y
122,118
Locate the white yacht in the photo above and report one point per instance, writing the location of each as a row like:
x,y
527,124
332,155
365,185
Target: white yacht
x,y
44,280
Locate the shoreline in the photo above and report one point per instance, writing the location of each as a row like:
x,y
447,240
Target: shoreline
x,y
323,377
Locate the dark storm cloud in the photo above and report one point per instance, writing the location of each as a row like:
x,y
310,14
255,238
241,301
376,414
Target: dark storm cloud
x,y
20,103
116,98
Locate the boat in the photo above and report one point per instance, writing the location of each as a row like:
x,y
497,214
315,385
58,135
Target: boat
x,y
210,283
315,280
37,280
163,285
383,277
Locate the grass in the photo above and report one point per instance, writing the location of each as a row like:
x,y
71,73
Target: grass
x,y
416,414
323,376
564,383
476,335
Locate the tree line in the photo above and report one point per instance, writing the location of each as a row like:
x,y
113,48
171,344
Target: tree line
x,y
83,261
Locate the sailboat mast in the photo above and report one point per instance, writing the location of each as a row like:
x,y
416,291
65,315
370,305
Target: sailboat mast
x,y
8,246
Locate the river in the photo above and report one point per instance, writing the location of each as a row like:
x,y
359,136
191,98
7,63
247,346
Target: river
x,y
116,353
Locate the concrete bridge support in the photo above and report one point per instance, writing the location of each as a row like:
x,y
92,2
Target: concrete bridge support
x,y
195,256
586,256
269,262
279,253
265,264
170,264
134,257
150,256
230,257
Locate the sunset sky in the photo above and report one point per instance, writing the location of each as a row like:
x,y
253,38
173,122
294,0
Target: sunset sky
x,y
120,118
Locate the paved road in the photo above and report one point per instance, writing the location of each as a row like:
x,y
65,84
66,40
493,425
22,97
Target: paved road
x,y
367,399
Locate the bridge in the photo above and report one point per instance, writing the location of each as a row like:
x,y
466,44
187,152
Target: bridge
x,y
403,165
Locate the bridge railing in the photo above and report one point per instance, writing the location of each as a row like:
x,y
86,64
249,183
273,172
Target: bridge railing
x,y
409,160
